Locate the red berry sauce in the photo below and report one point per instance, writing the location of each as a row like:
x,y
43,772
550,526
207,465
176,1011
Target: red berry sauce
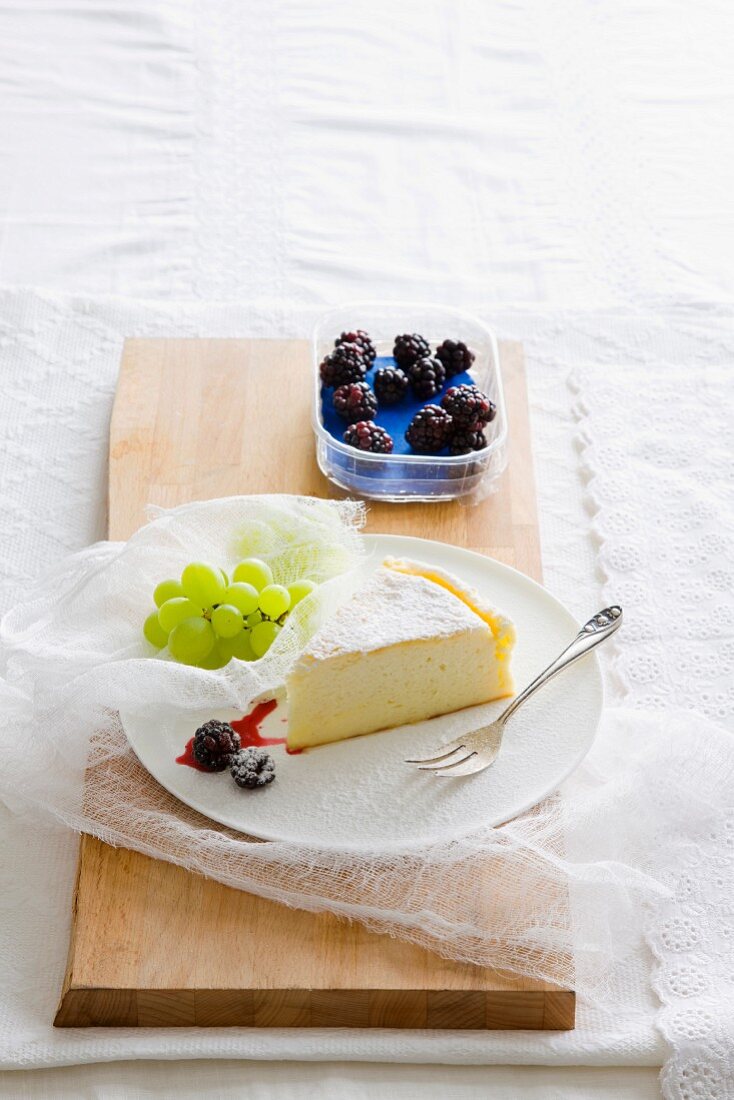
x,y
187,757
248,728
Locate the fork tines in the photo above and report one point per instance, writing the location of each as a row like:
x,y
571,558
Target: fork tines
x,y
431,763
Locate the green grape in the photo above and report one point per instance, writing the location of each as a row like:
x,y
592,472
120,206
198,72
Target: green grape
x,y
263,636
242,596
191,641
174,611
226,578
203,583
241,646
154,632
274,601
227,621
253,619
299,590
218,658
166,590
253,571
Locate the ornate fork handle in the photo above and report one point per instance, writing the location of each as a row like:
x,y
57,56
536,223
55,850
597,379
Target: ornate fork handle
x,y
595,631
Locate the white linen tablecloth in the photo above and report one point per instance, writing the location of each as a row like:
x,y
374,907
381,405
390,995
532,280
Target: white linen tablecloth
x,y
473,153
287,156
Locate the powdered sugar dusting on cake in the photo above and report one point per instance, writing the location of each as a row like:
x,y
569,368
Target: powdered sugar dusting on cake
x,y
502,627
392,607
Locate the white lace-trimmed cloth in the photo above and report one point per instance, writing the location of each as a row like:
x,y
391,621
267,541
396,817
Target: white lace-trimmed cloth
x,y
660,457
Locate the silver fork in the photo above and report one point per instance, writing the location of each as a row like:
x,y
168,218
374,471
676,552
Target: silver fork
x,y
476,750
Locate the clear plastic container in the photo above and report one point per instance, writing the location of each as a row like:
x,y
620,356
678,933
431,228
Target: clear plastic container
x,y
410,477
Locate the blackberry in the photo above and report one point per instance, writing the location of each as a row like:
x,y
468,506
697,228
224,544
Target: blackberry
x,y
466,440
390,385
468,406
409,349
362,340
252,768
214,743
426,377
346,363
339,374
429,430
455,356
355,401
365,435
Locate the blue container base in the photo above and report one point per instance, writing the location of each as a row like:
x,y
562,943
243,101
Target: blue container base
x,y
393,418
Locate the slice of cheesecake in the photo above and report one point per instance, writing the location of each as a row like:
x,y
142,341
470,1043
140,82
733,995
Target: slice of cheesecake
x,y
413,643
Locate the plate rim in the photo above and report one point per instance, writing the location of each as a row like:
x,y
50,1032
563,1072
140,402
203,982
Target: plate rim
x,y
374,541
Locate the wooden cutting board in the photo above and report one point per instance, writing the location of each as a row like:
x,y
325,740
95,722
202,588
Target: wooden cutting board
x,y
153,945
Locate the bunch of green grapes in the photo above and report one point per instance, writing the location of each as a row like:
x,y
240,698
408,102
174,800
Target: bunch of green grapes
x,y
205,619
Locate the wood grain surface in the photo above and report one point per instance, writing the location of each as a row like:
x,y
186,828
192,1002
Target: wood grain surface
x,y
153,945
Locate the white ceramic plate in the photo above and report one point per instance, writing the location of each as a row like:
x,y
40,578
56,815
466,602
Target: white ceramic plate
x,y
359,793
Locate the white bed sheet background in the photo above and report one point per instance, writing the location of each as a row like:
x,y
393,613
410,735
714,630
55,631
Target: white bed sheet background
x,y
465,151
289,155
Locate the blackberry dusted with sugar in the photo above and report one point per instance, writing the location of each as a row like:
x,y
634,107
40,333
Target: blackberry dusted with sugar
x,y
252,768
